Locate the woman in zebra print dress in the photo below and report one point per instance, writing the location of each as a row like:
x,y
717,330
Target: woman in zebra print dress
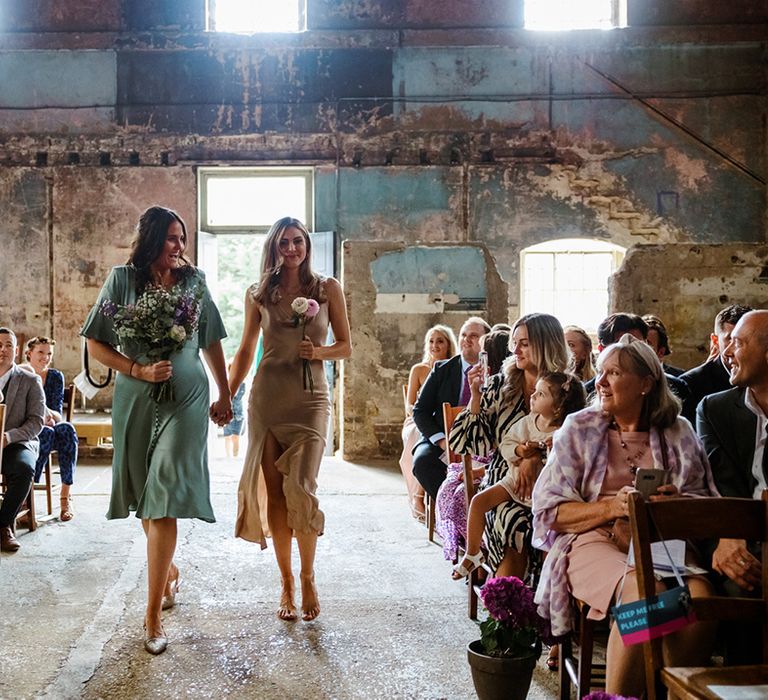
x,y
538,345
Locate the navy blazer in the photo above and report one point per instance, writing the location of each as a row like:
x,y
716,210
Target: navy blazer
x,y
727,428
442,385
702,381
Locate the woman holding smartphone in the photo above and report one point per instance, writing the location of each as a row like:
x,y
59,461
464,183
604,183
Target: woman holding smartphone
x,y
581,499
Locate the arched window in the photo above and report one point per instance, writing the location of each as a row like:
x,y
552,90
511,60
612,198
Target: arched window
x,y
568,278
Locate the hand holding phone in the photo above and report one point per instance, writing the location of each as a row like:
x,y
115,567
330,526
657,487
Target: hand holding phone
x,y
647,481
483,357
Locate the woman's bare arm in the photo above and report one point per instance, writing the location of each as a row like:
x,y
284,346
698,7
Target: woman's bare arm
x,y
341,348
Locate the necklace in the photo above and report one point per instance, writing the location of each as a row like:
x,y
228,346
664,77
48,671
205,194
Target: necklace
x,y
631,459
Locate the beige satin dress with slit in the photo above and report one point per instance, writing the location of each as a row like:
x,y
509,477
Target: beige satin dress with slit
x,y
297,418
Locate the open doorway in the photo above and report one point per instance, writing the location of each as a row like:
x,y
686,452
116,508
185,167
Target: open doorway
x,y
237,206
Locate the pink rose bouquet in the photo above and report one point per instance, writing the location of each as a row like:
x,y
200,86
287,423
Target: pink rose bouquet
x,y
304,310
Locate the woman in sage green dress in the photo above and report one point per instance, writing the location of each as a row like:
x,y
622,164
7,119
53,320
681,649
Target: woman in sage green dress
x,y
160,463
287,416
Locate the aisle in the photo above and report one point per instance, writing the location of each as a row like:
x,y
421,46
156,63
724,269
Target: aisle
x,y
392,625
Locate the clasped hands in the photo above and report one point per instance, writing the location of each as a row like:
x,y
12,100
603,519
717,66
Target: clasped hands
x,y
732,559
220,411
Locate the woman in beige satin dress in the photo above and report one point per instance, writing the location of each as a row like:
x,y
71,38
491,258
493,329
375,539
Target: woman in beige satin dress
x,y
287,422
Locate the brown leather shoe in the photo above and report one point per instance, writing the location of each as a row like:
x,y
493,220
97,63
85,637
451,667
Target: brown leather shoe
x,y
8,543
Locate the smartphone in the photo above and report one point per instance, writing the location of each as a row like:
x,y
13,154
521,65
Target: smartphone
x,y
483,357
648,480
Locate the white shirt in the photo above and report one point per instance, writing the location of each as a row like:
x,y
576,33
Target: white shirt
x,y
757,460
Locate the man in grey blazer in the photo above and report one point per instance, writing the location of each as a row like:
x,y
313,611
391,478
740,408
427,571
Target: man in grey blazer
x,y
24,400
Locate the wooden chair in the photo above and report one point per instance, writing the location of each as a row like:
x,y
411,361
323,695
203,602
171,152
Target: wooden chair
x,y
701,519
27,511
449,416
46,484
580,671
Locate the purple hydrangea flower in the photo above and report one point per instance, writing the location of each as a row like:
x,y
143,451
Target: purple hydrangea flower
x,y
509,600
602,695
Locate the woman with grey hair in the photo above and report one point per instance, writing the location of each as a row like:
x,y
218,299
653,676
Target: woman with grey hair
x,y
537,345
584,490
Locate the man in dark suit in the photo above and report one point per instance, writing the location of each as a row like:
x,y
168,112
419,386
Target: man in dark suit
x,y
610,331
446,383
658,339
714,375
24,415
732,425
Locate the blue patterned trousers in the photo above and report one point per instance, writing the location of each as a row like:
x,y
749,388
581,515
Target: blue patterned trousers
x,y
62,438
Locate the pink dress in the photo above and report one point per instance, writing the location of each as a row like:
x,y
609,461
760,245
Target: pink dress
x,y
595,563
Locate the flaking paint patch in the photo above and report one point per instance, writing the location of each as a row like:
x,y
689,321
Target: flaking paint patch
x,y
691,172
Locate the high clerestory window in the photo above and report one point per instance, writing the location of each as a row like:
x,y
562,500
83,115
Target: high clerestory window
x,y
559,15
256,16
568,278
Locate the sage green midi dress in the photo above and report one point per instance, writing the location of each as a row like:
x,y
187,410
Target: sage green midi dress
x,y
160,459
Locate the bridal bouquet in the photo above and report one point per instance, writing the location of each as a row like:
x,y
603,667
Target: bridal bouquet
x,y
304,310
159,323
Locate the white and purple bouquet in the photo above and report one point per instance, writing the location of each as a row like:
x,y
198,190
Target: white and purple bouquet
x,y
514,628
304,310
159,323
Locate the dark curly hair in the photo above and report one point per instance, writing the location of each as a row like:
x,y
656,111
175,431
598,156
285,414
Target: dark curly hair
x,y
148,243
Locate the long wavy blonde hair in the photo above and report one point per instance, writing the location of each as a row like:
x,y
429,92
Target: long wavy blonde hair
x,y
268,289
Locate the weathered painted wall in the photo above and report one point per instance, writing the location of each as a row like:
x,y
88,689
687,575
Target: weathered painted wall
x,y
686,285
428,124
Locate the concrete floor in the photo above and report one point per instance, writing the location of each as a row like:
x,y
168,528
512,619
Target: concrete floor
x,y
393,624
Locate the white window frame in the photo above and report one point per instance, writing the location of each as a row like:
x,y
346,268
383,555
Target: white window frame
x,y
210,18
618,17
561,247
205,175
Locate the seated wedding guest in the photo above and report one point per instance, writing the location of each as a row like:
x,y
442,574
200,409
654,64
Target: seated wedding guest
x,y
439,345
732,425
614,327
24,415
446,383
57,434
715,374
582,362
584,490
524,448
451,521
537,346
658,339
501,327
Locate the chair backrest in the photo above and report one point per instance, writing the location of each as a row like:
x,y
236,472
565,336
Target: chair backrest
x,y
70,395
449,416
698,519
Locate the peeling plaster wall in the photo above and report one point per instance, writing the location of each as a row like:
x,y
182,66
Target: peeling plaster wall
x,y
387,344
428,124
686,285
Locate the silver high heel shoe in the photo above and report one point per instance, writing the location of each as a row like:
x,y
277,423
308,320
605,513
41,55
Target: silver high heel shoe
x,y
155,645
170,600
